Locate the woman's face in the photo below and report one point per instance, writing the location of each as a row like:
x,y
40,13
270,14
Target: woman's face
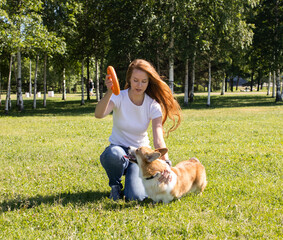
x,y
139,81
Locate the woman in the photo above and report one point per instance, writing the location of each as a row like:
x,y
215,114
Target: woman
x,y
145,98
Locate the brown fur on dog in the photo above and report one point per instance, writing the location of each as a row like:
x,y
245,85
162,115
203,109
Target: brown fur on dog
x,y
187,176
191,177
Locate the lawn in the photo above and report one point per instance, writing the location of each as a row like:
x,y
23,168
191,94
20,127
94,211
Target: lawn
x,y
52,185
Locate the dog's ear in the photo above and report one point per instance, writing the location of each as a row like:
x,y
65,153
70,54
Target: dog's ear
x,y
162,151
153,156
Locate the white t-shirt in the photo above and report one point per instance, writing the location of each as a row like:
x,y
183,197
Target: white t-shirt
x,y
130,122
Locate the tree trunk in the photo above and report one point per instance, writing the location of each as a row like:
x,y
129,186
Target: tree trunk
x,y
82,79
35,83
252,81
258,80
223,84
0,89
171,73
273,84
101,80
171,54
209,83
87,81
232,83
64,97
68,86
237,84
269,82
30,84
226,84
186,90
192,88
8,96
19,80
97,80
44,81
278,87
16,80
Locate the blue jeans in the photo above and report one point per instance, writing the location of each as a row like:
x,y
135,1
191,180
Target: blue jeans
x,y
116,165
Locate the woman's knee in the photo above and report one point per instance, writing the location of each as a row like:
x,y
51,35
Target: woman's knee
x,y
112,155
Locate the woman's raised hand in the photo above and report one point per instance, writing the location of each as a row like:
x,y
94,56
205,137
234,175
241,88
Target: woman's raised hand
x,y
108,82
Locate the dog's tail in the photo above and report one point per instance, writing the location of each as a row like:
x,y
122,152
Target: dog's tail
x,y
194,159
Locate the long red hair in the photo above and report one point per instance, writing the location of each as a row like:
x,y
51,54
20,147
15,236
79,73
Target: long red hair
x,y
157,89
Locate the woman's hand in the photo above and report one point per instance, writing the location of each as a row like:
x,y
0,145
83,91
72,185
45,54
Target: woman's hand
x,y
108,82
105,106
166,177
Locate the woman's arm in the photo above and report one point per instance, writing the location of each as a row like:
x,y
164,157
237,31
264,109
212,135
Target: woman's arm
x,y
105,106
158,139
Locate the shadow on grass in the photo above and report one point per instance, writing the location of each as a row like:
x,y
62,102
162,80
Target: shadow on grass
x,y
54,107
230,101
75,199
73,107
63,199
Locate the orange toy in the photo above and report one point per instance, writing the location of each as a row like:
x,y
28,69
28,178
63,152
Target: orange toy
x,y
116,86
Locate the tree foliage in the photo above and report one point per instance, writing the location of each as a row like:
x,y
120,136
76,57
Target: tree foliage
x,y
237,37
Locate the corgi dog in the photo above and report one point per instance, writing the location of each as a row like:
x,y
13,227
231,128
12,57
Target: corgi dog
x,y
187,176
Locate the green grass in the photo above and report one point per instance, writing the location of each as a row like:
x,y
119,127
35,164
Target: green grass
x,y
52,185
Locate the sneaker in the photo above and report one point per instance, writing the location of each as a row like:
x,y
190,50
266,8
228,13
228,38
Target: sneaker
x,y
115,193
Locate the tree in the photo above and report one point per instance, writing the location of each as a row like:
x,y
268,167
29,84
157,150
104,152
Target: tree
x,y
59,18
35,83
209,83
266,51
21,16
10,39
0,89
278,87
181,35
82,79
26,34
8,99
171,47
227,32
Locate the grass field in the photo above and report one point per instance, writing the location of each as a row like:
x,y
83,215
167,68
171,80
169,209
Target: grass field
x,y
52,185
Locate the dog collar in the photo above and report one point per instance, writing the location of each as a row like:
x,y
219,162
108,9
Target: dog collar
x,y
155,175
